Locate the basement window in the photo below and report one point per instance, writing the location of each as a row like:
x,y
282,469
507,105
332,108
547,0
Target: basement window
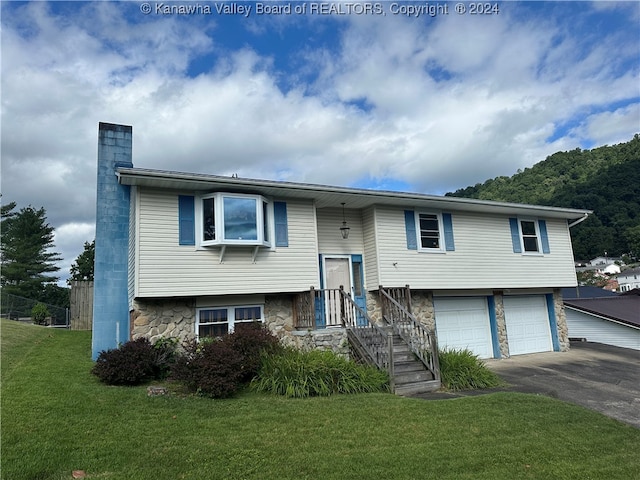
x,y
218,321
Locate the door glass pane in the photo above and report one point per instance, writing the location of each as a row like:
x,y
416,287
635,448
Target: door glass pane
x,y
337,273
357,279
240,219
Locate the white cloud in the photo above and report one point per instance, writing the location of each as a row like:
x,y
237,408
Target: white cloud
x,y
610,128
69,240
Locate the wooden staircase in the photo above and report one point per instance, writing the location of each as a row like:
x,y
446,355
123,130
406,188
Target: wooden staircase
x,y
402,346
410,375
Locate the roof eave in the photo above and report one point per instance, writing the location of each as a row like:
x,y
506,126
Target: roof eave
x,y
335,195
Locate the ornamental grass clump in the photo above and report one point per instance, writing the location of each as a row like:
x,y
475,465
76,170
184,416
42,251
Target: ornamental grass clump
x,y
298,374
462,370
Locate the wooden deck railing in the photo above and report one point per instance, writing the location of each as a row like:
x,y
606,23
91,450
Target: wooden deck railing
x,y
318,308
420,339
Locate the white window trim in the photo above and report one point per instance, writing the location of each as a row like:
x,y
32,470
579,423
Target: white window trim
x,y
231,315
219,214
538,237
441,246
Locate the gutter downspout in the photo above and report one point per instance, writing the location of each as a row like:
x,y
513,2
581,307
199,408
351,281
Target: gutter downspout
x,y
580,220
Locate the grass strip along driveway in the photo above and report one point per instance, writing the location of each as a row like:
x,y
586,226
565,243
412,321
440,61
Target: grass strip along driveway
x,y
57,418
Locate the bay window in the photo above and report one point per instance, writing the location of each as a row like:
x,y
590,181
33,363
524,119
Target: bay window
x,y
233,219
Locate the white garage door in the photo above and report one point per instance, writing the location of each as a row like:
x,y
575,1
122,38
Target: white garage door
x,y
464,323
527,321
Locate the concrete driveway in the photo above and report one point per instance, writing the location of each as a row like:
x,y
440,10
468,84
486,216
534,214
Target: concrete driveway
x,y
596,376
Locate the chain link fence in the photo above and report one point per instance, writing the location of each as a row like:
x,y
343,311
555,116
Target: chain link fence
x,y
19,308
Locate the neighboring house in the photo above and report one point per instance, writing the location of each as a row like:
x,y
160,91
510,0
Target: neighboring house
x,y
598,261
629,279
186,255
611,320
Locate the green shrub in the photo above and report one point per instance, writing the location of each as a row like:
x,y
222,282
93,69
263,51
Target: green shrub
x,y
294,373
165,351
39,313
462,370
133,363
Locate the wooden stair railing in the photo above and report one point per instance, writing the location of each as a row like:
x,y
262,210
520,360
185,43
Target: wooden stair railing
x,y
370,343
421,341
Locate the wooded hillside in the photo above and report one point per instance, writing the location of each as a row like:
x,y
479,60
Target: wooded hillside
x,y
604,179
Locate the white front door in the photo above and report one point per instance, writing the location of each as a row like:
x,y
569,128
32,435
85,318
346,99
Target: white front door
x,y
337,273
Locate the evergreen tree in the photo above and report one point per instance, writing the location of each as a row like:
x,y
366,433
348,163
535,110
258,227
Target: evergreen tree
x,y
82,268
26,256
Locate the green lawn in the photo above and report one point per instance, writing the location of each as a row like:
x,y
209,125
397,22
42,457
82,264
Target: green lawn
x,y
57,418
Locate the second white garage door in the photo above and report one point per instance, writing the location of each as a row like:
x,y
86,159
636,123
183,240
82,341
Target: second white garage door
x,y
464,323
527,321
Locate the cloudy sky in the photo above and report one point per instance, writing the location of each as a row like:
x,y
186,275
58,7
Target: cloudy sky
x,y
384,99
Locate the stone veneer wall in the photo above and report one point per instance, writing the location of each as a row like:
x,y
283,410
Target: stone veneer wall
x,y
561,320
175,318
501,323
155,319
422,308
374,308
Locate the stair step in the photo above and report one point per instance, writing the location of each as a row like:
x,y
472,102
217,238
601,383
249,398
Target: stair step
x,y
403,357
402,367
412,377
418,387
401,349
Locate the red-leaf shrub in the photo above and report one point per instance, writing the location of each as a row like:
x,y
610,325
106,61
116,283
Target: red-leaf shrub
x,y
218,368
131,364
250,340
212,369
135,362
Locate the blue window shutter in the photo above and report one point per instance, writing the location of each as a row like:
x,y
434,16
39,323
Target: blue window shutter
x,y
515,235
186,220
282,229
544,238
410,227
449,244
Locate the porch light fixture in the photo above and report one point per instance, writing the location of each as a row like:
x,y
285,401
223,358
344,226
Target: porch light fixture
x,y
344,229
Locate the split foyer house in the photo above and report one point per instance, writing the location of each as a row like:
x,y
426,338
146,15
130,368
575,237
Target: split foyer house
x,y
190,255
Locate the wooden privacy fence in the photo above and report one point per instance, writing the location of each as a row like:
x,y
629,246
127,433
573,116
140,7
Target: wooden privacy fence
x,y
81,303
